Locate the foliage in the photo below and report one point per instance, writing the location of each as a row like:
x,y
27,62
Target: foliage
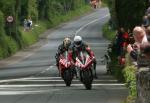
x,y
130,99
127,13
32,10
129,73
126,73
12,46
32,36
3,44
116,68
108,32
52,12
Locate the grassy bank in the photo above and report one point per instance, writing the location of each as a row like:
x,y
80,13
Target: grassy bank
x,y
30,37
27,38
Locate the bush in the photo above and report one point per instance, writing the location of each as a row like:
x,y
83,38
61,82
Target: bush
x,y
108,32
49,13
12,46
127,13
122,73
130,79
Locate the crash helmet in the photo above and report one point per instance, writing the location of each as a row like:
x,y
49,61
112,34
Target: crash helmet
x,y
66,42
77,41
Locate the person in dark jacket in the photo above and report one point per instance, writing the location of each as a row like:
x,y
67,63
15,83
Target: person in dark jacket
x,y
61,49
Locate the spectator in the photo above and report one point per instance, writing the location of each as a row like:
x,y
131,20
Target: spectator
x,y
140,39
148,11
25,24
146,48
125,38
29,23
122,41
148,33
99,2
119,41
145,22
93,3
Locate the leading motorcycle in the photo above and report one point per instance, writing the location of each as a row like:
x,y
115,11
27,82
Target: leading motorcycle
x,y
84,66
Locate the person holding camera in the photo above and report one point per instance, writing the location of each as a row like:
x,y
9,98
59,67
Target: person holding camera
x,y
137,50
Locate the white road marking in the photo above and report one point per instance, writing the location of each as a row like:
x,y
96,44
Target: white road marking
x,y
57,85
42,71
81,28
26,92
46,79
46,69
12,80
89,24
23,89
49,68
61,80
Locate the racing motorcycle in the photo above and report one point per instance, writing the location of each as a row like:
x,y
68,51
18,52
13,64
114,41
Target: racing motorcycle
x,y
66,68
84,66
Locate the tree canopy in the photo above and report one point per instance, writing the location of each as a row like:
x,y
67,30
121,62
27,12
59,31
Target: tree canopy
x,y
37,10
127,13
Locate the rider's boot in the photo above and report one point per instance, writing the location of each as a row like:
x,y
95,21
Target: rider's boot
x,y
95,75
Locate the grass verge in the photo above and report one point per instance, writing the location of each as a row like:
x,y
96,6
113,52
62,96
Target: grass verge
x,y
32,36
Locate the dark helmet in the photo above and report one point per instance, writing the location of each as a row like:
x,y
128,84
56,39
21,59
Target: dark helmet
x,y
78,41
66,42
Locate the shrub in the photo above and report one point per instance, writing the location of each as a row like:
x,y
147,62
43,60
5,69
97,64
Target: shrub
x,y
130,78
127,13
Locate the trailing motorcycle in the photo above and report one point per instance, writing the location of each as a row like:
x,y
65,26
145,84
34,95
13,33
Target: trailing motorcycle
x,y
66,68
84,66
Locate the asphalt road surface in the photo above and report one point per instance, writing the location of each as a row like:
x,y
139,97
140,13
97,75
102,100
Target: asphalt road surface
x,y
32,77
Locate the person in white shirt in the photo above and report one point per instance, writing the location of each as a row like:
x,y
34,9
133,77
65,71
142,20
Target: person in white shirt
x,y
140,39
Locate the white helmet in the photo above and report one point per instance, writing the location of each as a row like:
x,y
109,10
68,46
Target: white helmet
x,y
77,41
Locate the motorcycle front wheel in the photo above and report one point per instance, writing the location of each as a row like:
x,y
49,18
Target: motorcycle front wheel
x,y
68,76
86,78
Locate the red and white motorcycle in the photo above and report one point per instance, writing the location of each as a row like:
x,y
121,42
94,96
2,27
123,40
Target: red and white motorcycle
x,y
66,68
84,65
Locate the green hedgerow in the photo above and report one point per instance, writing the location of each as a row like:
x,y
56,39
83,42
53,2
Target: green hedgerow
x,y
130,79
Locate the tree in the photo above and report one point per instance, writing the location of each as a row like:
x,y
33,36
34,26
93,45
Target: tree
x,y
127,13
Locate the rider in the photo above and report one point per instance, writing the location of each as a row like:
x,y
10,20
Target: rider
x,y
77,46
62,48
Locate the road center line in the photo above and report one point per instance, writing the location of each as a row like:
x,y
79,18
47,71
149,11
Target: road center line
x,y
81,28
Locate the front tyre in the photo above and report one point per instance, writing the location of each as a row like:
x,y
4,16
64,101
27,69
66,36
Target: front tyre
x,y
87,78
68,76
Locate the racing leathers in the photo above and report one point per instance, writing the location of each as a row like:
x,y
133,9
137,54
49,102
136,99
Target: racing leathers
x,y
61,50
75,52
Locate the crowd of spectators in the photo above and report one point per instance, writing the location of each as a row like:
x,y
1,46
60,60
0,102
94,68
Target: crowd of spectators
x,y
139,50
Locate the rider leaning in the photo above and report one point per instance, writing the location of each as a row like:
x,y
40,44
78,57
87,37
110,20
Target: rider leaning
x,y
61,49
77,46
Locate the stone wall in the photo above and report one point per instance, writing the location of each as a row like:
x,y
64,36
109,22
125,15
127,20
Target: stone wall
x,y
143,85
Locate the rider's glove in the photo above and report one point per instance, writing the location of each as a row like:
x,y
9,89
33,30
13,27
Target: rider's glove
x,y
93,59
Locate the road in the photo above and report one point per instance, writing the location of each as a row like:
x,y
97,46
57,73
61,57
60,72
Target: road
x,y
34,78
